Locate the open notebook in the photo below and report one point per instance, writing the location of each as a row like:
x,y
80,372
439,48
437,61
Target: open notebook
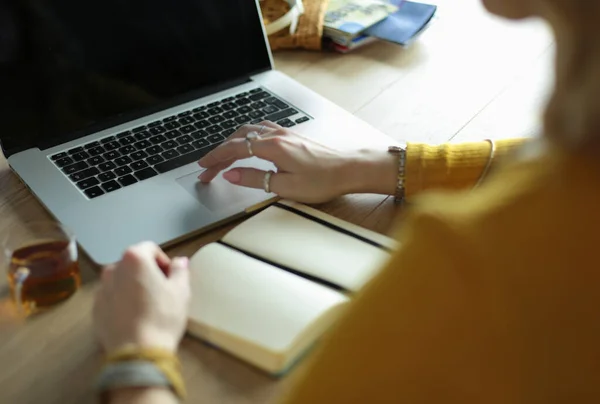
x,y
271,286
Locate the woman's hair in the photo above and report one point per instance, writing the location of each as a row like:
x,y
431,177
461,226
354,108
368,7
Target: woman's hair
x,y
572,116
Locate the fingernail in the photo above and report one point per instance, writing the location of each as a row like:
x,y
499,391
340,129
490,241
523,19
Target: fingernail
x,y
232,176
181,262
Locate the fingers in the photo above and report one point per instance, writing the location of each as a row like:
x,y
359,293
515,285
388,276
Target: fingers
x,y
280,183
180,275
236,147
146,255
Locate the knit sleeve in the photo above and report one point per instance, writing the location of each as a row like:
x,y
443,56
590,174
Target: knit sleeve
x,y
451,165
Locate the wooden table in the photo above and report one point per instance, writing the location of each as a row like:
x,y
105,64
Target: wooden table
x,y
470,76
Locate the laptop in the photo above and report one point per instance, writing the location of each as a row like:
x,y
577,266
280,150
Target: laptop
x,y
106,107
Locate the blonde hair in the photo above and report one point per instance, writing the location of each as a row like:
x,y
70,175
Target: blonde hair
x,y
572,116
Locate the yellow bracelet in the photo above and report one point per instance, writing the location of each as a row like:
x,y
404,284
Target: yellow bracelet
x,y
488,164
165,360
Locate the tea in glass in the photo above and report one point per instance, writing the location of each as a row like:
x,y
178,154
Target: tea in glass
x,y
42,266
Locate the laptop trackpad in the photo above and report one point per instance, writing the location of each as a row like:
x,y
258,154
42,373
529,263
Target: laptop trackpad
x,y
220,195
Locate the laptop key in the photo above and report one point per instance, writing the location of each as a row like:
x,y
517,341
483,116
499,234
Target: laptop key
x,y
93,192
169,144
184,139
256,90
202,124
123,170
142,144
229,124
121,161
243,101
139,129
183,160
109,165
271,100
127,149
302,120
259,96
75,150
154,150
155,123
258,105
280,104
96,151
108,139
157,130
199,134
170,154
215,111
201,115
112,146
172,134
106,176
242,119
91,145
229,106
216,139
213,104
230,114
228,132
280,115
256,114
143,135
94,161
255,121
187,120
228,99
172,125
216,119
138,155
286,123
240,95
186,148
82,175
126,133
127,180
244,110
110,186
111,155
270,109
127,140
88,183
80,156
138,165
158,139
145,173
154,159
59,156
184,113
65,161
170,118
187,129
214,129
198,144
73,168
202,108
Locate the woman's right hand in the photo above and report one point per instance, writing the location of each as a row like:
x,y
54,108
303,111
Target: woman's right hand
x,y
306,171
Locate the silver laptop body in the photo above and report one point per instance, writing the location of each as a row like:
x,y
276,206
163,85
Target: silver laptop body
x,y
81,157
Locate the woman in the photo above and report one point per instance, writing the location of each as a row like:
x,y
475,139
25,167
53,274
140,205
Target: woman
x,y
493,295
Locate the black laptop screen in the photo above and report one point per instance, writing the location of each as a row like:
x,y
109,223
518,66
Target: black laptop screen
x,y
71,65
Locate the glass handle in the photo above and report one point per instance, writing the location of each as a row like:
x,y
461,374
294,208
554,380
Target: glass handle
x,y
21,276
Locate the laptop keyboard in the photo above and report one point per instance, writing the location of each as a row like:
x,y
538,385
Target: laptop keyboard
x,y
114,162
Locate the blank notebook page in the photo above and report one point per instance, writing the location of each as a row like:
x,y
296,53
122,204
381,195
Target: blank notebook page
x,y
298,243
254,301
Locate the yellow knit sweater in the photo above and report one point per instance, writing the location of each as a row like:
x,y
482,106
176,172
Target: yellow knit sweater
x,y
493,297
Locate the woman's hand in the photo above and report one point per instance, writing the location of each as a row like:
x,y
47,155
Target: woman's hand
x,y
143,300
306,171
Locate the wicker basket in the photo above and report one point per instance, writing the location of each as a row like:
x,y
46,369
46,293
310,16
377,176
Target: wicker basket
x,y
309,33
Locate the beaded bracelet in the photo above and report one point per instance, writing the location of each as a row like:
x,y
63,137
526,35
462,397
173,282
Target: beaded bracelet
x,y
400,185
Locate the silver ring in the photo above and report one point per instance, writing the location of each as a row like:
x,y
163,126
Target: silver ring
x,y
267,181
262,128
249,138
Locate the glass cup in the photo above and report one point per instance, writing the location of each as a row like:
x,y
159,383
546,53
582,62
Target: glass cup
x,y
42,267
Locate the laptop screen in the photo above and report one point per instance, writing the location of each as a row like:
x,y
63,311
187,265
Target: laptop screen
x,y
70,66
